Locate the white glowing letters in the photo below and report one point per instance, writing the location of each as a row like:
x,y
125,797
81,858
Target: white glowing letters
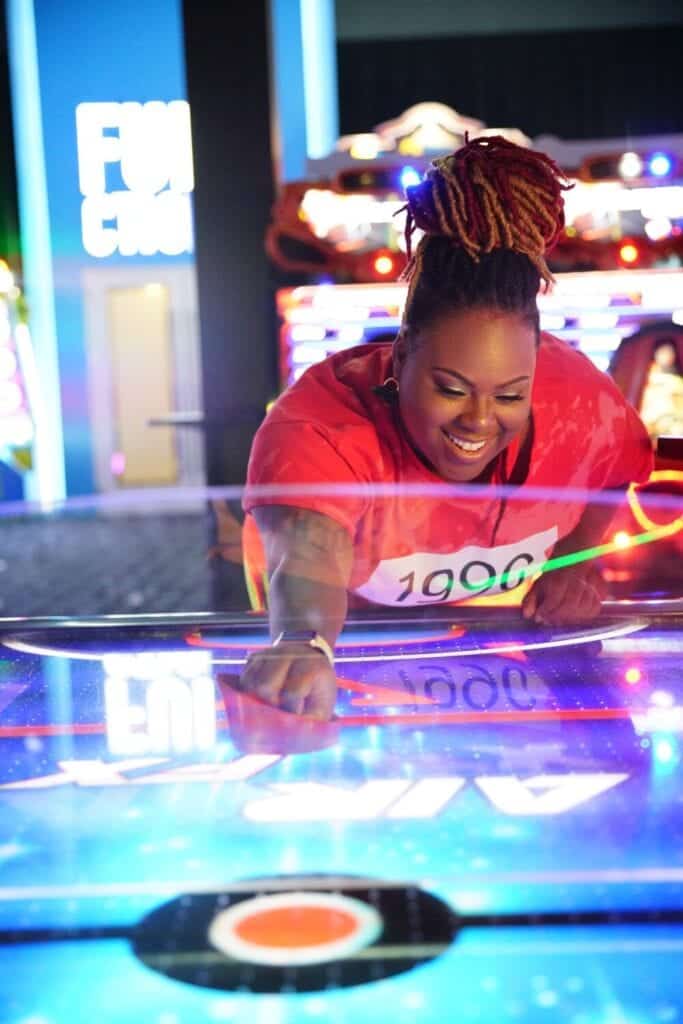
x,y
136,176
290,802
175,707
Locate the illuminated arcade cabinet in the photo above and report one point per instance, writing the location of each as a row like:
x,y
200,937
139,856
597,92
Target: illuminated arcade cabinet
x,y
618,265
18,397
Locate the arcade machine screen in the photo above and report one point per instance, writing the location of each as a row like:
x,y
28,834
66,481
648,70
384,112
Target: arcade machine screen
x,y
661,405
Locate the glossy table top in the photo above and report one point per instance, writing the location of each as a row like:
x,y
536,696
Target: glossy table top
x,y
506,798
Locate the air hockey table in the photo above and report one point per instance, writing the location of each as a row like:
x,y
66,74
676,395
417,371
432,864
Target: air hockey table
x,y
489,829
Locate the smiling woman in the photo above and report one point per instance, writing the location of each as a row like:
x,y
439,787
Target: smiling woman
x,y
466,390
470,393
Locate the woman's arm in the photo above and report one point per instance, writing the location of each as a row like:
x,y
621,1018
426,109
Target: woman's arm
x,y
309,558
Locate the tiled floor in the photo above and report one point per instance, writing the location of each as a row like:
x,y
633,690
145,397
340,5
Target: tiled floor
x,y
95,563
176,558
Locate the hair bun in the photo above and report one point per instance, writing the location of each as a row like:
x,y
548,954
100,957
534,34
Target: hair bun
x,y
490,194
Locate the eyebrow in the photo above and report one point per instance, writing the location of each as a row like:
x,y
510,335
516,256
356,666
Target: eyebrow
x,y
505,384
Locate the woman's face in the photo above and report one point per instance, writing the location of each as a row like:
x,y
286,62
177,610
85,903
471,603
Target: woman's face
x,y
665,356
465,390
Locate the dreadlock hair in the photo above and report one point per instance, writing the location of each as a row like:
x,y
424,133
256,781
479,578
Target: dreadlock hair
x,y
489,212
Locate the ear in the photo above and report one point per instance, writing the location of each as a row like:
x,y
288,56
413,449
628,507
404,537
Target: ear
x,y
399,353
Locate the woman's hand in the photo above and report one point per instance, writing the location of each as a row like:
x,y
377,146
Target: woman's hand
x,y
564,597
293,677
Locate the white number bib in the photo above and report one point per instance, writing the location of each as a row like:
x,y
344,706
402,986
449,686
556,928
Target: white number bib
x,y
426,578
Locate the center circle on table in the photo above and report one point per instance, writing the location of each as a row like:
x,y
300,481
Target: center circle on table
x,y
295,928
295,934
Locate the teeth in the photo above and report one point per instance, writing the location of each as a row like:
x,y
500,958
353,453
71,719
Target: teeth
x,y
467,446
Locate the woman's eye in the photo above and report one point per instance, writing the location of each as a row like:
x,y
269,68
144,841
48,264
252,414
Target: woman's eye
x,y
508,399
453,392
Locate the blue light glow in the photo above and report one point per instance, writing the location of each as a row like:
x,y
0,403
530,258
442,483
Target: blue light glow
x,y
320,75
409,176
660,164
665,750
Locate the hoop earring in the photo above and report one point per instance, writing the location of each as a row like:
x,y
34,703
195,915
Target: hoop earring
x,y
388,391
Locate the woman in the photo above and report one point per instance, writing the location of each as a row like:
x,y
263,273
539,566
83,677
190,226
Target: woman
x,y
470,394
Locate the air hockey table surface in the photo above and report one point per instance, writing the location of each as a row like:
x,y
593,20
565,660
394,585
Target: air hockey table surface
x,y
490,829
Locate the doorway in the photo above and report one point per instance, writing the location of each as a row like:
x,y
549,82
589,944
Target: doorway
x,y
142,344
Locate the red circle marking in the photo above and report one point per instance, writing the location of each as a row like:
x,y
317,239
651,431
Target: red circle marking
x,y
296,926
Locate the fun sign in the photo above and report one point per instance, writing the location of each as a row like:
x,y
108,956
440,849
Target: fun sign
x,y
136,177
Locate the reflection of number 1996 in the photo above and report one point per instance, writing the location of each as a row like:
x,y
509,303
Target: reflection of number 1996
x,y
480,689
438,585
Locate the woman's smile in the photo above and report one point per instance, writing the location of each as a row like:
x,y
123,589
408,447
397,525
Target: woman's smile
x,y
465,448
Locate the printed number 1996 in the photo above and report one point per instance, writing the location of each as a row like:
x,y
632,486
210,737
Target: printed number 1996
x,y
438,585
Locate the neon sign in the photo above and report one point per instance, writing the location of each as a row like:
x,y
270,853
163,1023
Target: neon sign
x,y
136,178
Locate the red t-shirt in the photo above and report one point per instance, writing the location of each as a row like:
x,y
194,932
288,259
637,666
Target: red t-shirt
x,y
421,545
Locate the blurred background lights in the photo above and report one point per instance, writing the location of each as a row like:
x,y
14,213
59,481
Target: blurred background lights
x,y
308,332
350,334
552,321
660,164
599,320
365,147
633,675
409,176
305,353
658,227
628,253
384,265
630,165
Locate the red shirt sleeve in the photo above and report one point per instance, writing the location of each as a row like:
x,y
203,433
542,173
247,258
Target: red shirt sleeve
x,y
631,456
585,410
637,453
289,455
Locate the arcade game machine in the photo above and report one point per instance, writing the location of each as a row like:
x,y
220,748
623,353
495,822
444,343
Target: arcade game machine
x,y
16,374
340,238
488,829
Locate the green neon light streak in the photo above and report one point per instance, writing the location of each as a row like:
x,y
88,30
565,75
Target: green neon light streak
x,y
562,561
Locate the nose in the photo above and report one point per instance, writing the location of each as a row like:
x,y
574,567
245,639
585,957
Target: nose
x,y
477,416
